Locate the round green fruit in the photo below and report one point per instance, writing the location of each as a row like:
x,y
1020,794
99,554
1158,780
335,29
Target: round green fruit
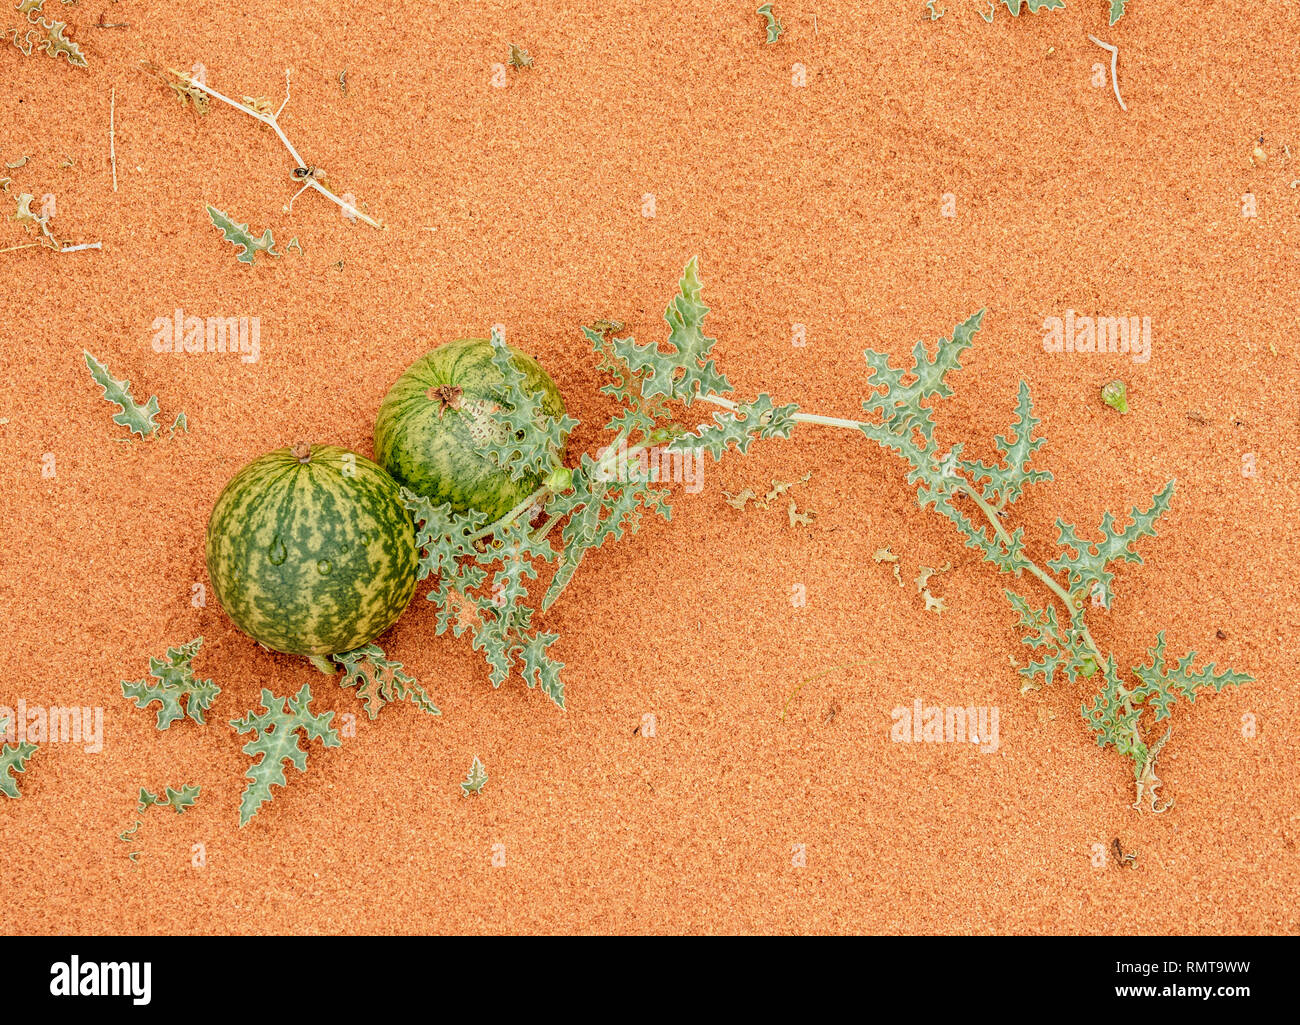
x,y
311,551
430,421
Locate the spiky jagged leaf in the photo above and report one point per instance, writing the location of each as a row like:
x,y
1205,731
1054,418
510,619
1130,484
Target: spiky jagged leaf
x,y
601,503
482,586
527,440
1116,10
444,541
1007,555
476,779
240,236
177,800
639,416
1162,683
1033,6
1085,562
51,36
276,739
506,634
1058,648
539,669
686,371
1006,481
13,758
1040,625
141,420
1112,719
899,392
380,680
774,27
175,680
749,421
491,638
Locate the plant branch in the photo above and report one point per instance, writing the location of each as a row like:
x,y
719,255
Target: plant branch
x,y
272,121
991,514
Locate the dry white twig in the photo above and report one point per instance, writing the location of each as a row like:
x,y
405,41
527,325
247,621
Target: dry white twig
x,y
272,122
1114,70
112,146
65,249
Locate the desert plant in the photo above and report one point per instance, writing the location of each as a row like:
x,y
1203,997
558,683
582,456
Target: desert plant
x,y
481,566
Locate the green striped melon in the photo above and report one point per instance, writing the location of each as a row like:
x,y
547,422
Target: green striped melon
x,y
311,551
427,425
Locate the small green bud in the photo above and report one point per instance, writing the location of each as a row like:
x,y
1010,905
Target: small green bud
x,y
561,479
1115,395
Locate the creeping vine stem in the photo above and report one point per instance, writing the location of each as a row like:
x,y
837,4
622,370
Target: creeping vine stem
x,y
1147,781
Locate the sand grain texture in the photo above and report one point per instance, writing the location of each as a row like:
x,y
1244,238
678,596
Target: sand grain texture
x,y
523,205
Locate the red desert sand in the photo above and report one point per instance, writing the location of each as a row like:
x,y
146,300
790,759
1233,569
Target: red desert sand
x,y
811,178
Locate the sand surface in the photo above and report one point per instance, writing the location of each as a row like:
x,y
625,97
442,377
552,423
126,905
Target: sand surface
x,y
523,205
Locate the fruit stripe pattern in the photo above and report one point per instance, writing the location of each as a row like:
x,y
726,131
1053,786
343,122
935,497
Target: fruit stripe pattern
x,y
442,430
312,553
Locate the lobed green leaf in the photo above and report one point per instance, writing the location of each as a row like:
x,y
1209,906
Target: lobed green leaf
x,y
1085,562
527,440
177,691
13,758
380,680
141,420
276,734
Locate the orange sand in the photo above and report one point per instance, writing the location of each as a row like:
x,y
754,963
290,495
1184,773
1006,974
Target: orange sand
x,y
523,205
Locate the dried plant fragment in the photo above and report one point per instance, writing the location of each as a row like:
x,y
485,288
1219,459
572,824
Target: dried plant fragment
x,y
797,518
739,501
45,34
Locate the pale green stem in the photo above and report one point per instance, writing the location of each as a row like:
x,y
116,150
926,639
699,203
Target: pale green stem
x,y
540,496
272,122
991,515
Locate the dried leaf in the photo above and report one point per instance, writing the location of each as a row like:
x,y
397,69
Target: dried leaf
x,y
803,518
739,501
